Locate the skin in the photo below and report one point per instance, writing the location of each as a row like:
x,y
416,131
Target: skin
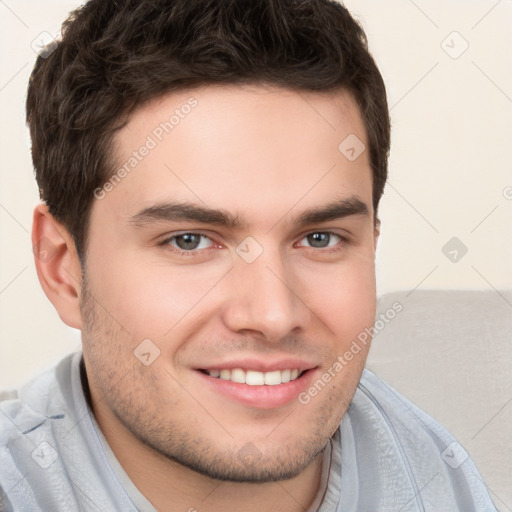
x,y
265,154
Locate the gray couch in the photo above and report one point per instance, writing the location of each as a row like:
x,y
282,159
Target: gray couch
x,y
450,352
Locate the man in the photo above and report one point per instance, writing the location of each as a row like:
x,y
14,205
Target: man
x,y
211,173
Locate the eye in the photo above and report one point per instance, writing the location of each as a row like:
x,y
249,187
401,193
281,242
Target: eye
x,y
323,239
188,242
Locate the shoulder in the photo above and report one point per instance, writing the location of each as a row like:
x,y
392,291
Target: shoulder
x,y
42,398
30,419
44,431
375,395
409,427
396,451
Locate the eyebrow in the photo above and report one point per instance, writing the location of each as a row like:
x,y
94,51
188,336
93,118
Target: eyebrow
x,y
183,211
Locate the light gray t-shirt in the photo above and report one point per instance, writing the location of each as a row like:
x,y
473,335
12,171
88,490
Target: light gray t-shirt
x,y
387,455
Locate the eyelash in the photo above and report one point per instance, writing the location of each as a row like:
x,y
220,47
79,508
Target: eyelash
x,y
165,244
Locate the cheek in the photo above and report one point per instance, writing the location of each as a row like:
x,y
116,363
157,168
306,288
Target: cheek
x,y
149,298
343,297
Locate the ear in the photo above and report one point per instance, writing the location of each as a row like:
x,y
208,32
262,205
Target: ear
x,y
58,266
376,232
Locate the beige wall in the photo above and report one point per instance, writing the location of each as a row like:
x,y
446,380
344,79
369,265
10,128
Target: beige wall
x,y
450,172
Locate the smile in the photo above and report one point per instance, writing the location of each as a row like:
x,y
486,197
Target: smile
x,y
255,378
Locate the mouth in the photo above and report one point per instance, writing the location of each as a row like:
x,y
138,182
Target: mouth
x,y
258,389
255,378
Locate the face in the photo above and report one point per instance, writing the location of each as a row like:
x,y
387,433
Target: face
x,y
228,268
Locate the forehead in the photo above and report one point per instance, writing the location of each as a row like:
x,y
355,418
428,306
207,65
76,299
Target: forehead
x,y
250,149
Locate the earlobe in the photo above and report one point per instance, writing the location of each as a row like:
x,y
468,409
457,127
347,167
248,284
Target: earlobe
x,y
57,264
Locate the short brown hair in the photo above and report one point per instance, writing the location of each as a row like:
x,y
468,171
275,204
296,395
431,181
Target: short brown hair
x,y
115,55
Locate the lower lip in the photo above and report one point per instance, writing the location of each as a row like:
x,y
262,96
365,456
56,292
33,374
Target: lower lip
x,y
262,397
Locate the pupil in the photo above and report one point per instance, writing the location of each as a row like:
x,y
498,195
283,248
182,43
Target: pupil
x,y
188,241
319,239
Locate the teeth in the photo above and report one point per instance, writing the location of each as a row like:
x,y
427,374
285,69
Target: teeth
x,y
253,378
237,375
273,378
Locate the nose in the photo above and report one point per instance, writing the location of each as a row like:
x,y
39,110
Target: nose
x,y
265,298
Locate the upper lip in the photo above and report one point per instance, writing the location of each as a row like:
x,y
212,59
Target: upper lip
x,y
261,365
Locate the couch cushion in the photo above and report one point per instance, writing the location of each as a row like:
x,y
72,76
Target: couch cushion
x,y
450,352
